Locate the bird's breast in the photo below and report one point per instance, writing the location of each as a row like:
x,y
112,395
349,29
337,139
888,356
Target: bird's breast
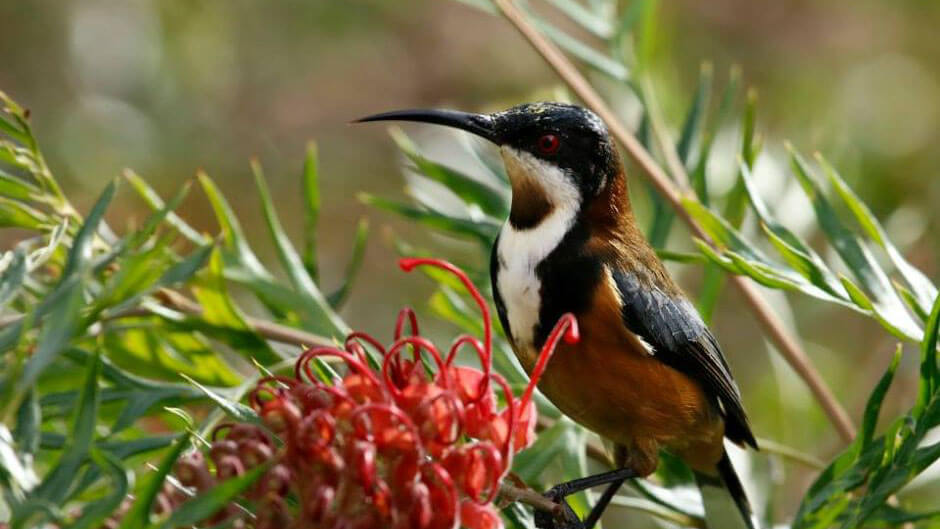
x,y
519,252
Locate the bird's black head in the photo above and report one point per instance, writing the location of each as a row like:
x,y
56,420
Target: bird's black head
x,y
556,154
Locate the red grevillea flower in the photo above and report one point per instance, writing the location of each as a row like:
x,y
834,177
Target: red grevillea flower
x,y
416,441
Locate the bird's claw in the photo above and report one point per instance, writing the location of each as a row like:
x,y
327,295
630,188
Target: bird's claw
x,y
563,517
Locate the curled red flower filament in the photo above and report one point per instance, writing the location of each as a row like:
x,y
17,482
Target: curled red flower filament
x,y
393,440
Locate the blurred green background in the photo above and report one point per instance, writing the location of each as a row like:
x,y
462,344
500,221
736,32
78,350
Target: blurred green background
x,y
173,86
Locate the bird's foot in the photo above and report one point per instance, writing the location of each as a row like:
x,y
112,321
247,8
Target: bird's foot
x,y
562,517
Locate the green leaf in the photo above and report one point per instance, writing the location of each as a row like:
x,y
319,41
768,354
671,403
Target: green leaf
x,y
80,255
211,501
855,255
94,513
338,298
695,116
163,352
235,410
331,324
17,189
595,23
921,286
156,203
219,309
139,513
311,182
15,214
929,376
875,400
810,266
236,245
55,486
531,463
471,191
14,472
12,275
797,253
28,422
588,55
698,176
13,131
58,328
484,233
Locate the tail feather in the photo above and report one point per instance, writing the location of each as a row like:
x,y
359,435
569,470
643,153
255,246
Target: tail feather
x,y
726,505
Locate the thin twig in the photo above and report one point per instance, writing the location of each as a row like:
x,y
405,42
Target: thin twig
x,y
174,300
786,344
270,330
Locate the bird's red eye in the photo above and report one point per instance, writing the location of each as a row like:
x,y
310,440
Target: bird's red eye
x,y
548,144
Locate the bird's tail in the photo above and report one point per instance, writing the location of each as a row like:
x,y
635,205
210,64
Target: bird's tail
x,y
726,505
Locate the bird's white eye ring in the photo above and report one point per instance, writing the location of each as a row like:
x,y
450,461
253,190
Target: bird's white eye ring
x,y
548,144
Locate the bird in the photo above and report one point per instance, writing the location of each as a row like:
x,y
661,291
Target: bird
x,y
647,374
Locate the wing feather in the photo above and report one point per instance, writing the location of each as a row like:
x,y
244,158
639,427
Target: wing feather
x,y
682,340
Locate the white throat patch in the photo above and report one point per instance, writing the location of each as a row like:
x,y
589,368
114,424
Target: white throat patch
x,y
520,251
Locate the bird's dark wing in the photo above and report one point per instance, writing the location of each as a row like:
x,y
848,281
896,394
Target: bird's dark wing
x,y
680,339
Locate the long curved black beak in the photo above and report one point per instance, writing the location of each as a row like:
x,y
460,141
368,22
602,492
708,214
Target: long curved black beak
x,y
480,124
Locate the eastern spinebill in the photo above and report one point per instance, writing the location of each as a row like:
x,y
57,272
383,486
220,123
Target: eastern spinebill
x,y
647,373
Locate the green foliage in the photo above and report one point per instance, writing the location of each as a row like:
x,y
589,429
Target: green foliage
x,y
106,339
142,324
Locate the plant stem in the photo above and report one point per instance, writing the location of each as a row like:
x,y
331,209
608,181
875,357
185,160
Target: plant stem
x,y
786,344
269,330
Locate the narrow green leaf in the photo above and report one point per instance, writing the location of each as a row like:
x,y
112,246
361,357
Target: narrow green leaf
x,y
712,282
699,173
156,203
856,256
858,296
17,189
749,149
14,472
681,257
663,219
232,234
236,410
61,324
809,266
595,23
15,214
471,191
81,252
922,287
211,501
59,479
293,264
162,352
483,233
12,274
13,131
338,298
95,513
28,421
139,514
219,309
531,463
696,114
911,301
311,182
55,238
929,376
581,51
875,400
